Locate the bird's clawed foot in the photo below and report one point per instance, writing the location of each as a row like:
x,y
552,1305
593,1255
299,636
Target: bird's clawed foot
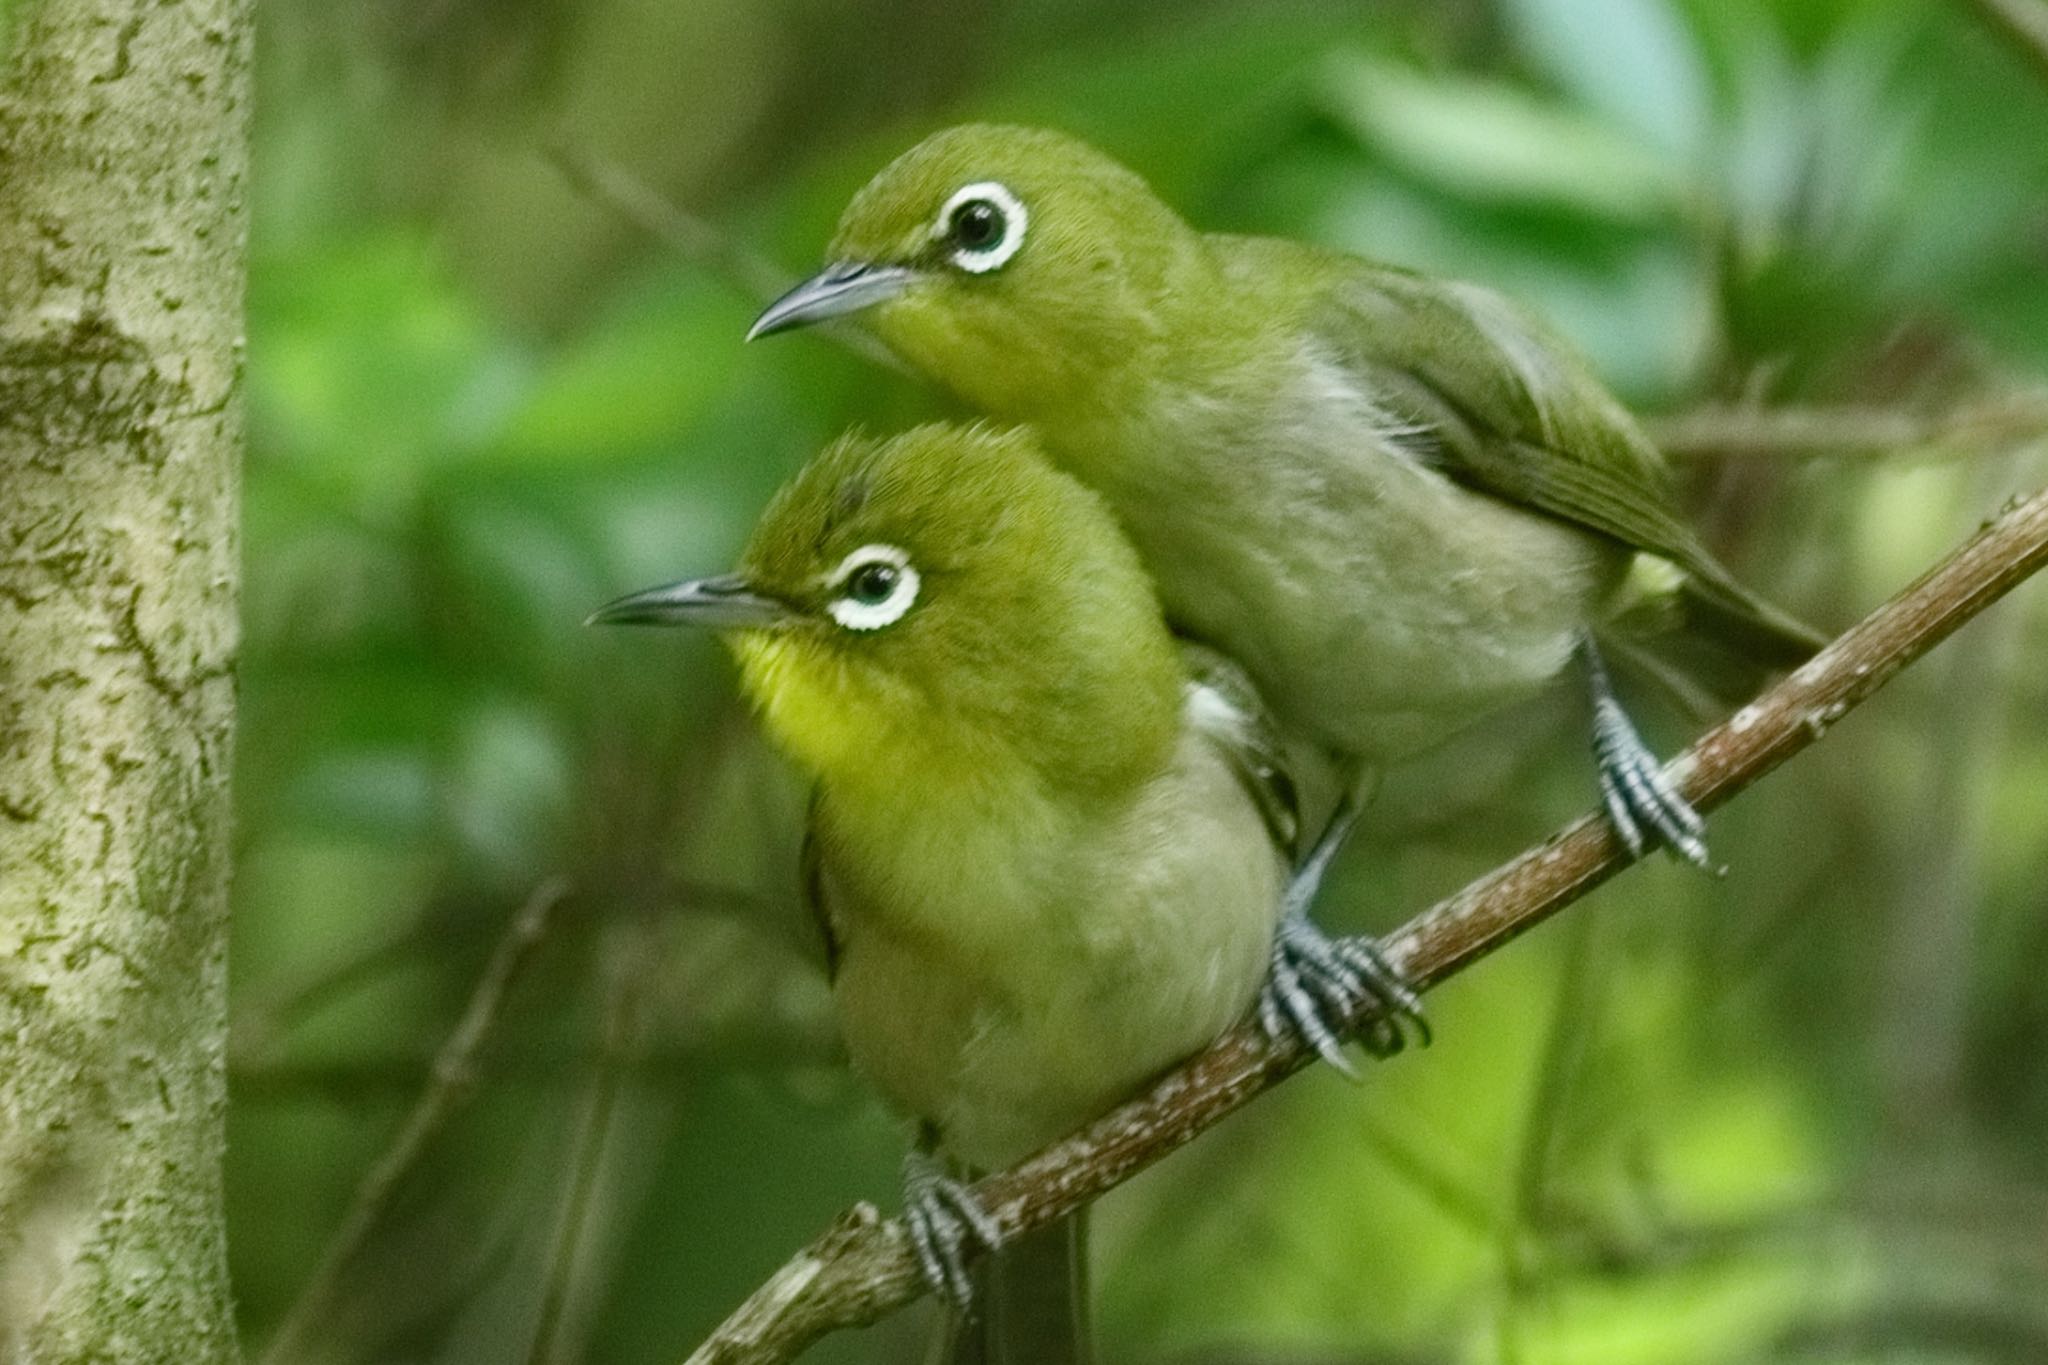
x,y
1641,801
1318,984
947,1224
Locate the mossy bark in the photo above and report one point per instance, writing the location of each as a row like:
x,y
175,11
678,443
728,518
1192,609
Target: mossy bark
x,y
122,258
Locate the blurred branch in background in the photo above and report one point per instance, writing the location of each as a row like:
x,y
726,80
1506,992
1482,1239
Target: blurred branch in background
x,y
861,1267
694,240
449,1084
1983,427
261,1026
1572,1031
1999,1217
776,1043
566,1285
691,238
2025,22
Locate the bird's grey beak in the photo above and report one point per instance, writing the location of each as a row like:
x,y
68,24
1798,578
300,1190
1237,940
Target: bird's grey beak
x,y
727,602
839,289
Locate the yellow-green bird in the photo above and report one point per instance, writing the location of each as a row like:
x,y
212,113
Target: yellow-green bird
x,y
1047,842
1399,502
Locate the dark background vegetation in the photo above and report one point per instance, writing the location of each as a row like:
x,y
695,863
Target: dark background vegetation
x,y
1795,1114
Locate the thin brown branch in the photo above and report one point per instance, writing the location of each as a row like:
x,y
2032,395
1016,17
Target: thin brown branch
x,y
861,1267
260,1030
691,238
1744,433
695,240
449,1085
2024,22
378,1077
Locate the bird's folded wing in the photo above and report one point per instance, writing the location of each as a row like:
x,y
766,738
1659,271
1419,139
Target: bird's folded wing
x,y
1497,402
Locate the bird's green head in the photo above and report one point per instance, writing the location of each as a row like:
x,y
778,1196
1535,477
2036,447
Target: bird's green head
x,y
1014,265
944,609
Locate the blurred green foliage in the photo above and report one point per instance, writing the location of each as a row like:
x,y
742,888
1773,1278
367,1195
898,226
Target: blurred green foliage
x,y
1790,1115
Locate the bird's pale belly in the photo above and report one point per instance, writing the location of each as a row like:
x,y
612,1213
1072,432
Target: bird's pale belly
x,y
1001,1072
1380,608
1008,1017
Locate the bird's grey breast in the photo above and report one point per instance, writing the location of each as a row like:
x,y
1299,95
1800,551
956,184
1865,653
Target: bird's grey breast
x,y
1297,521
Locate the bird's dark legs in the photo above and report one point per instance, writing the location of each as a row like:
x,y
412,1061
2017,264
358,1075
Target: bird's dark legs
x,y
945,1220
1317,984
1641,802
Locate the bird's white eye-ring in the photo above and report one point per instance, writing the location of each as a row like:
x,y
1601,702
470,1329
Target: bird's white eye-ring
x,y
875,586
984,225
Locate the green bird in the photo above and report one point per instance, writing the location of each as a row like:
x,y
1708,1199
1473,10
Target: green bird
x,y
1399,502
1047,841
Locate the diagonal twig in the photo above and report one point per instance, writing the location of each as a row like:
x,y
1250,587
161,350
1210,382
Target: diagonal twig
x,y
449,1084
695,240
861,1267
691,238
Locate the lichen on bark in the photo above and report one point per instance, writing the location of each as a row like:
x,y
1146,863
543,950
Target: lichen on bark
x,y
122,225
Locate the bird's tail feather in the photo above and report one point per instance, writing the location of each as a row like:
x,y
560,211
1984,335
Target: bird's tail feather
x,y
1031,1302
1741,621
1703,639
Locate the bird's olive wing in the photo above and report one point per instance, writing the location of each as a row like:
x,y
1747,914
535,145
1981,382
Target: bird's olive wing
x,y
1501,404
1504,405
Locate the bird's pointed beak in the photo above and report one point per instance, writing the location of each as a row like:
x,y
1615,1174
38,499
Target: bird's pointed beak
x,y
727,602
841,288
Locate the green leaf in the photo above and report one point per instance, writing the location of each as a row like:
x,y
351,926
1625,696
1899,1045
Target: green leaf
x,y
1641,305
1241,70
510,790
1634,61
368,366
1498,144
634,381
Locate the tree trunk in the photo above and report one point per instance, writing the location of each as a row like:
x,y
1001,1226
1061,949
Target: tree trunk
x,y
122,157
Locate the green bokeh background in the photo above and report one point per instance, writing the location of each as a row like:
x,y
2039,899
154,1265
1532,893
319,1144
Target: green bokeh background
x,y
1794,1114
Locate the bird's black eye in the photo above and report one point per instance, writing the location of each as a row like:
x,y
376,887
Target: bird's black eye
x,y
981,227
978,225
872,588
871,584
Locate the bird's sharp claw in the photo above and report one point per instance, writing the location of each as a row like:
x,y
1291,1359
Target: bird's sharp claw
x,y
1318,985
945,1222
1639,798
